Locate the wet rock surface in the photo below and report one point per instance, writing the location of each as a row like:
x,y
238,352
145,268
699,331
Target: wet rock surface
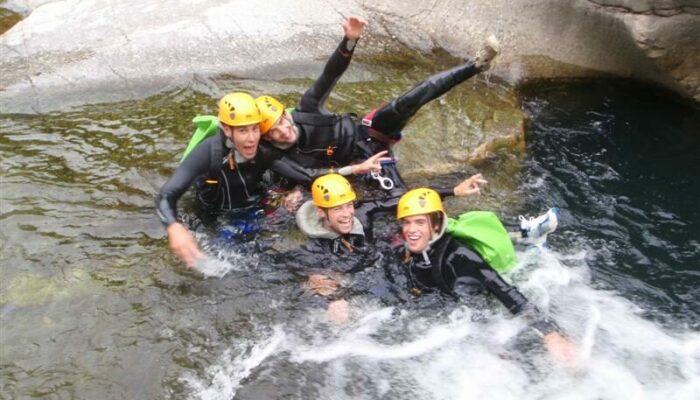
x,y
66,52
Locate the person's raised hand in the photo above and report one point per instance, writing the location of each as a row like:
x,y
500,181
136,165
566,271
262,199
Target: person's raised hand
x,y
353,27
183,244
470,186
373,163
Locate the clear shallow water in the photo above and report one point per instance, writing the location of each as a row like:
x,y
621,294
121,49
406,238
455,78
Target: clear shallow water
x,y
93,306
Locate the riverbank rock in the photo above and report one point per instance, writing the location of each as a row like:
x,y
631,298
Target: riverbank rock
x,y
654,41
68,52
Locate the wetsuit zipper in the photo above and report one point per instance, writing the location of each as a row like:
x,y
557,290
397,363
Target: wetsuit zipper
x,y
245,187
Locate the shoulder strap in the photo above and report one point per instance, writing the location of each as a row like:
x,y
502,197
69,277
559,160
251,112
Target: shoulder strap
x,y
217,154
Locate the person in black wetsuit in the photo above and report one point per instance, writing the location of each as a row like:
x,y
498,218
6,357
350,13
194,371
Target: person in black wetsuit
x,y
226,169
315,140
335,226
431,259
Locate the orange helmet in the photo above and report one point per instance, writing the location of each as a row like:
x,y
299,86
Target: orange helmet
x,y
271,110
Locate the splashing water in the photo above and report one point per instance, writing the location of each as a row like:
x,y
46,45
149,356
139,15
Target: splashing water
x,y
467,354
220,259
226,377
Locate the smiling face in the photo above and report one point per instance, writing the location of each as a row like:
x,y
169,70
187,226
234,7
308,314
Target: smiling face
x,y
417,232
339,219
283,132
245,139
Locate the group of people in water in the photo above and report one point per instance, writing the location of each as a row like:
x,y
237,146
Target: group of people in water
x,y
314,150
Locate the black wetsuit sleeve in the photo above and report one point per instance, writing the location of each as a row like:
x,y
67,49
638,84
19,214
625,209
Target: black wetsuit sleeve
x,y
365,210
196,164
445,192
464,262
313,100
290,169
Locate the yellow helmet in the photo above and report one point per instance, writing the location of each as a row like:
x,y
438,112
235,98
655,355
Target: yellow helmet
x,y
418,202
331,190
271,110
238,109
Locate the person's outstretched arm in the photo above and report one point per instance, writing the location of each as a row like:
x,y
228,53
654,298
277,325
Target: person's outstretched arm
x,y
181,241
315,97
467,187
466,262
304,176
287,167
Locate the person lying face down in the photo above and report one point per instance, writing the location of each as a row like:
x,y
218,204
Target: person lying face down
x,y
434,259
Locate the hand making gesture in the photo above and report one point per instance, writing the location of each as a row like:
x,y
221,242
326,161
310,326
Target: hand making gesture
x,y
470,186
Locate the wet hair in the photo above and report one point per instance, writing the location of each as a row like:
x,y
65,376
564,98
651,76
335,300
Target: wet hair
x,y
436,219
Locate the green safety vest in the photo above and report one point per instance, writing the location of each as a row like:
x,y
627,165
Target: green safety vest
x,y
484,232
205,126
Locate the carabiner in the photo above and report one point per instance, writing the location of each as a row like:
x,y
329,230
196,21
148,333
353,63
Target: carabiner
x,y
384,182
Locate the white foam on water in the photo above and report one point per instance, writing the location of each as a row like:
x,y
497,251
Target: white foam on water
x,y
235,364
219,260
468,354
357,341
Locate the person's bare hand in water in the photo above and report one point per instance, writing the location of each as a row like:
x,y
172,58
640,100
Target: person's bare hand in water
x,y
183,244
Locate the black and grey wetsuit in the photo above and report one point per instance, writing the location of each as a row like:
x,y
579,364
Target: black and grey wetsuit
x,y
323,240
329,140
236,184
453,267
